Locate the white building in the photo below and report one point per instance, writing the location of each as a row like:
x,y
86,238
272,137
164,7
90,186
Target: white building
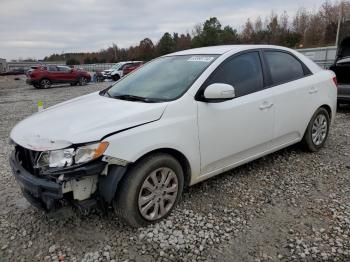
x,y
26,65
2,65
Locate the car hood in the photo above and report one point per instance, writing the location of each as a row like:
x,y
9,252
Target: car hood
x,y
83,119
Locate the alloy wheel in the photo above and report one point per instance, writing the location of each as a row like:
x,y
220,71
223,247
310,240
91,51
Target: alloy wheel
x,y
158,193
319,129
83,81
45,83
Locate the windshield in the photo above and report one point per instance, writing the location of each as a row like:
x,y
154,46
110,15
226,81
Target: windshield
x,y
116,66
163,79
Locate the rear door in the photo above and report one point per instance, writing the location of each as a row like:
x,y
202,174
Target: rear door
x,y
236,130
121,69
295,96
53,74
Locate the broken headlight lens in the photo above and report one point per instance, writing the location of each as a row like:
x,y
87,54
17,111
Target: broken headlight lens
x,y
56,158
69,156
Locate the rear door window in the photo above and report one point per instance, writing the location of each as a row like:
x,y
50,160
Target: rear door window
x,y
126,66
284,67
52,68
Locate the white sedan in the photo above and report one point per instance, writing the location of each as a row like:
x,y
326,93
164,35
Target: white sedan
x,y
178,120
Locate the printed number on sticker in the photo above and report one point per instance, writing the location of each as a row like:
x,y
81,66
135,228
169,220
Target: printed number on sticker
x,y
206,59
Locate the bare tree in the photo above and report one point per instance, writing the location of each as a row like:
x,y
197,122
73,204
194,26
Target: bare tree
x,y
283,21
258,25
300,21
248,32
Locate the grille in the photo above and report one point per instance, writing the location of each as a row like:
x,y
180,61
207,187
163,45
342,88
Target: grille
x,y
28,159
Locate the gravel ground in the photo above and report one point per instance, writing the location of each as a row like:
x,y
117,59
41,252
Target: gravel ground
x,y
288,206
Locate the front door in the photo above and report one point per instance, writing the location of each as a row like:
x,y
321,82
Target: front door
x,y
66,74
237,130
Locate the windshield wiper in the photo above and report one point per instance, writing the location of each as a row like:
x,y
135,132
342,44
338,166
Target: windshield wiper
x,y
135,98
107,93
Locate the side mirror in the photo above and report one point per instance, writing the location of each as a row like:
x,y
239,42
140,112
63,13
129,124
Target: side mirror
x,y
219,92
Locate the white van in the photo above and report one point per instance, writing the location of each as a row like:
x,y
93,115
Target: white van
x,y
178,120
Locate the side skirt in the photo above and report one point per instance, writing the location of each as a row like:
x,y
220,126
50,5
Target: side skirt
x,y
242,162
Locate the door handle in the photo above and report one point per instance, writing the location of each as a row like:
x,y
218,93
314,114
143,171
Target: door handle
x,y
265,105
313,90
270,105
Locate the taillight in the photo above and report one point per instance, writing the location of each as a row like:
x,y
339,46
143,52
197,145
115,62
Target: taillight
x,y
335,81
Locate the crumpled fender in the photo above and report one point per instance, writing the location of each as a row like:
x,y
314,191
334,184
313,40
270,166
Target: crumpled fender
x,y
108,184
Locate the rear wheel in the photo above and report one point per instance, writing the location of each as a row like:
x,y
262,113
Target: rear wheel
x,y
150,190
82,81
45,83
100,79
115,77
317,131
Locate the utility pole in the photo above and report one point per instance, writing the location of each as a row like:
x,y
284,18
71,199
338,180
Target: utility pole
x,y
339,22
115,47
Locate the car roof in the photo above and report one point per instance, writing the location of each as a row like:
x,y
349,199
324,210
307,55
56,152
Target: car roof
x,y
125,62
221,49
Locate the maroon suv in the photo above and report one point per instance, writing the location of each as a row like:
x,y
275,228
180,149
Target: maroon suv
x,y
45,76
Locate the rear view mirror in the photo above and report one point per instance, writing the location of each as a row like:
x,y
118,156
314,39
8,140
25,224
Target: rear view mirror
x,y
219,92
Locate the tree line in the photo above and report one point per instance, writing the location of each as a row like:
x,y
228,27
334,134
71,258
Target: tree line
x,y
305,29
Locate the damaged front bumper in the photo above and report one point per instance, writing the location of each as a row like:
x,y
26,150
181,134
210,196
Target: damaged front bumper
x,y
47,192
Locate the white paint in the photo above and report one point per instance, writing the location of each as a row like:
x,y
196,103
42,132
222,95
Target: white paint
x,y
214,137
86,118
219,91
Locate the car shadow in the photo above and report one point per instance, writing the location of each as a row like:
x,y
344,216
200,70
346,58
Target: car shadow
x,y
264,162
63,86
343,108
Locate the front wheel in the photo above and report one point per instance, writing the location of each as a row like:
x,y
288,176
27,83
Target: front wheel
x,y
45,83
317,131
150,190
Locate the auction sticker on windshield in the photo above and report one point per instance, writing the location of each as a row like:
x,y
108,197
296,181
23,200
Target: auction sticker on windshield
x,y
206,59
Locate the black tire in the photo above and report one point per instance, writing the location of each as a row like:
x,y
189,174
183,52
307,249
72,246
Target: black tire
x,y
82,81
115,77
307,141
73,84
36,86
126,203
45,83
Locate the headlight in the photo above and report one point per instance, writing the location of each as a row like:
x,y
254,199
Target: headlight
x,y
56,158
90,152
70,156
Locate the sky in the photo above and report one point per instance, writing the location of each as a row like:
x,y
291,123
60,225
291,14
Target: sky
x,y
38,28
